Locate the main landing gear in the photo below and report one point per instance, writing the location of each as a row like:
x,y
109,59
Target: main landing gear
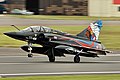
x,y
51,55
77,57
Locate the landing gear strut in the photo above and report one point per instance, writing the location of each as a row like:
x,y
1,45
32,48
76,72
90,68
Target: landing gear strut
x,y
30,50
51,55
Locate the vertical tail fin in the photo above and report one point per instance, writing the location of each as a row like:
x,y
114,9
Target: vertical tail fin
x,y
93,31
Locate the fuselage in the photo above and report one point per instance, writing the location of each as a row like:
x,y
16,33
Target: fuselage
x,y
54,39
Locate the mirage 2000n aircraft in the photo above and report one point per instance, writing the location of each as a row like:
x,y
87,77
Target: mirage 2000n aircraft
x,y
56,43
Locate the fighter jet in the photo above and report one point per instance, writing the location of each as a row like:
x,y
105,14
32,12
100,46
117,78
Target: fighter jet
x,y
57,43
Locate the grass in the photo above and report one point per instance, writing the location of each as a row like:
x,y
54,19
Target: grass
x,y
6,41
68,77
110,35
64,17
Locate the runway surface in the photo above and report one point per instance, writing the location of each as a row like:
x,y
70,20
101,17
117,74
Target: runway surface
x,y
7,21
14,60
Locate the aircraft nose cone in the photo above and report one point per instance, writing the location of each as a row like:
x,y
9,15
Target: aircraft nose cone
x,y
15,35
10,34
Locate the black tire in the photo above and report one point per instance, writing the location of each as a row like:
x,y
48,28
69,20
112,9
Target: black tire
x,y
76,59
51,59
51,55
30,55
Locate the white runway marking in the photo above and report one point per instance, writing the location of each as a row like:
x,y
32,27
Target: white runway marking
x,y
10,56
15,63
57,73
10,63
22,56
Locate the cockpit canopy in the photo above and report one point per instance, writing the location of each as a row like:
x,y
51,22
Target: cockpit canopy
x,y
41,29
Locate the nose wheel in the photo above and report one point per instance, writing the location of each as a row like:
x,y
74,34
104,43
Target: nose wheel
x,y
30,55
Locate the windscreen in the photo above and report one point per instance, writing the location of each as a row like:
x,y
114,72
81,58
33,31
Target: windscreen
x,y
37,29
41,29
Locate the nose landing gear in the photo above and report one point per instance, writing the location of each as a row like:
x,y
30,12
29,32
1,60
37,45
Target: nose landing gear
x,y
30,55
30,50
